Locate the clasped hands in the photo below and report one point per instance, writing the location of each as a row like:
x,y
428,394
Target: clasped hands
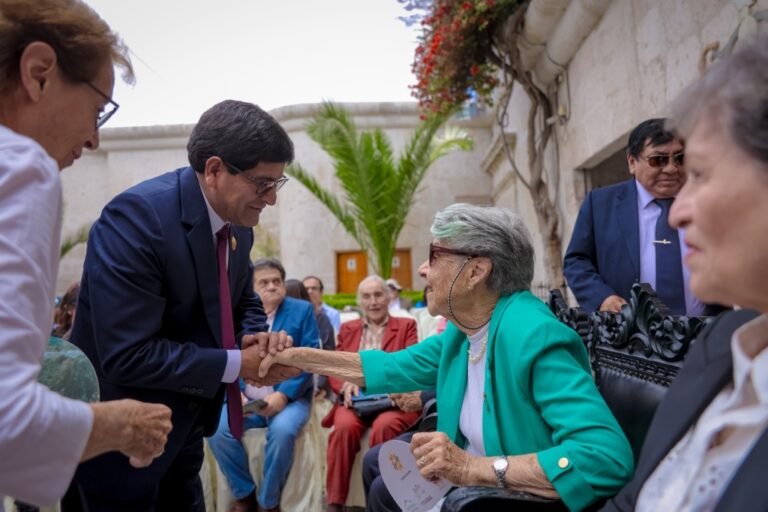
x,y
256,348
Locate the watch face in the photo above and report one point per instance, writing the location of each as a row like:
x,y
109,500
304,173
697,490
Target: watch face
x,y
500,464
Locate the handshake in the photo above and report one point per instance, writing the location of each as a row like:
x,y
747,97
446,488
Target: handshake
x,y
259,354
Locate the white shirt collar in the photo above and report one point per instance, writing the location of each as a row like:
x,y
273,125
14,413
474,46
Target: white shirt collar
x,y
644,198
216,222
749,347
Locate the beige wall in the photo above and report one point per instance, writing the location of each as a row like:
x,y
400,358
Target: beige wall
x,y
307,235
639,56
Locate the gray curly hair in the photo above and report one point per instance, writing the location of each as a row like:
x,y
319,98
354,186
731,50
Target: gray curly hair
x,y
497,233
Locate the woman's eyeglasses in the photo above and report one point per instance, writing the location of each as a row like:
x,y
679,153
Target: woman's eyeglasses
x,y
662,160
434,250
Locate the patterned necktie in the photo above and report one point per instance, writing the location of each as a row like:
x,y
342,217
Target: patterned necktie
x,y
234,404
669,266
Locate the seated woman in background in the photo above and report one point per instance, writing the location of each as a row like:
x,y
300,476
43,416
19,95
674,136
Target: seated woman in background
x,y
707,447
517,406
377,329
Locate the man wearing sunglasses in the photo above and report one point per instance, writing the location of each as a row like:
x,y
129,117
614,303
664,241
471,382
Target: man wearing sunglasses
x,y
622,233
166,300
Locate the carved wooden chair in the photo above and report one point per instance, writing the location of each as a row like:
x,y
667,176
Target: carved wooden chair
x,y
635,356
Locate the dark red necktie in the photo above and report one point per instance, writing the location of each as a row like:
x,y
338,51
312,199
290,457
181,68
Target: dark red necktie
x,y
234,405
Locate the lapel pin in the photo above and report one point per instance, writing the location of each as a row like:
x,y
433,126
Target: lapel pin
x,y
233,242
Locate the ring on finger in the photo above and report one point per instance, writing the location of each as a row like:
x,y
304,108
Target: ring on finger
x,y
421,462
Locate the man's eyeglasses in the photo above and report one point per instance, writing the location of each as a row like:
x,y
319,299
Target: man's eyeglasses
x,y
109,108
662,160
434,250
263,185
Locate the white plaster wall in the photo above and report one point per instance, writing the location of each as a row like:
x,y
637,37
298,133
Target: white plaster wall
x,y
633,64
308,236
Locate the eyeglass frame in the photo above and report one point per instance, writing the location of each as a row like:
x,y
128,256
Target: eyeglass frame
x,y
677,158
434,250
260,189
105,116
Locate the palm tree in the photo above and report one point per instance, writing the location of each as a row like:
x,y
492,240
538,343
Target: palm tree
x,y
72,241
378,191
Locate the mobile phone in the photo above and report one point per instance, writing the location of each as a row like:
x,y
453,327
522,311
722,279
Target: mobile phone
x,y
254,406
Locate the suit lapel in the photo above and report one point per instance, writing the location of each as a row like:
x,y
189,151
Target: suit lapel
x,y
743,492
706,371
279,320
194,216
233,271
627,220
390,336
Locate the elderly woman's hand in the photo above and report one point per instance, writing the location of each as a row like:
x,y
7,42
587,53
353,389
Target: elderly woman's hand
x,y
349,390
438,457
407,402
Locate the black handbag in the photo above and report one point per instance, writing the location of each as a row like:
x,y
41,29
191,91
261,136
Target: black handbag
x,y
366,406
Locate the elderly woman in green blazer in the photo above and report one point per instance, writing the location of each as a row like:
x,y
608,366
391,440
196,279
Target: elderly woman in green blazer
x,y
505,359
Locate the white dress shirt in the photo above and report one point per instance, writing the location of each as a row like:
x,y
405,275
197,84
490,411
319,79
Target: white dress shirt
x,y
696,472
648,213
234,358
42,434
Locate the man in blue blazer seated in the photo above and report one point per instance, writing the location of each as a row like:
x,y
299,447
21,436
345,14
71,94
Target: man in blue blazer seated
x,y
622,233
284,408
166,299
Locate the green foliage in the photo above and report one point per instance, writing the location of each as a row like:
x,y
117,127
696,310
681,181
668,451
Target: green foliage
x,y
70,242
264,244
414,295
456,51
340,300
378,190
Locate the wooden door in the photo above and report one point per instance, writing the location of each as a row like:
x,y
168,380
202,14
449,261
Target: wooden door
x,y
401,268
351,268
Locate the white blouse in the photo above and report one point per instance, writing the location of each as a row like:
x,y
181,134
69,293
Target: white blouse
x,y
42,434
471,417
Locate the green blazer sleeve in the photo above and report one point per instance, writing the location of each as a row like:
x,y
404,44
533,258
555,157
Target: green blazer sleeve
x,y
412,369
591,457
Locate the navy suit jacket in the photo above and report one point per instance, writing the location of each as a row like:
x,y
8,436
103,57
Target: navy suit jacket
x,y
708,369
297,318
603,257
148,312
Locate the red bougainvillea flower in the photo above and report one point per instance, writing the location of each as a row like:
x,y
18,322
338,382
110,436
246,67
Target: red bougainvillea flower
x,y
455,53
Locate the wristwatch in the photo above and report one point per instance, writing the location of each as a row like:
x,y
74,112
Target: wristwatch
x,y
500,466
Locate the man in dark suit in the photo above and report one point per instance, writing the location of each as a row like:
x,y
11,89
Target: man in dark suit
x,y
622,234
166,297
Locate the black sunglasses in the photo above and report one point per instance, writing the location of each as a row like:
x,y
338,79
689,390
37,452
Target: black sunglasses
x,y
434,250
662,160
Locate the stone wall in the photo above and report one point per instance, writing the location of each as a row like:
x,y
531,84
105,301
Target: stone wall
x,y
637,59
640,55
307,236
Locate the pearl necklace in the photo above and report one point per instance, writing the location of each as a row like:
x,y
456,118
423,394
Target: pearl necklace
x,y
474,359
